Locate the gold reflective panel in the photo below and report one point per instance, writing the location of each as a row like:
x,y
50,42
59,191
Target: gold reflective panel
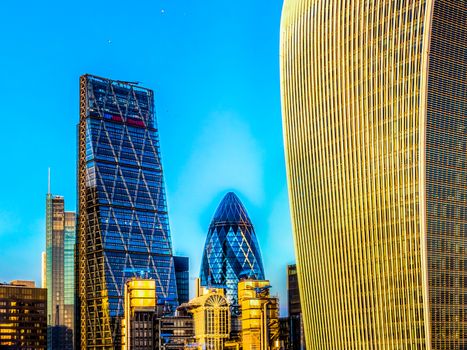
x,y
259,316
375,131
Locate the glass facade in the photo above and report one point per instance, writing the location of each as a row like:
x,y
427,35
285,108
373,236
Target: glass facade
x,y
123,226
55,227
69,277
374,100
60,241
182,274
446,175
231,250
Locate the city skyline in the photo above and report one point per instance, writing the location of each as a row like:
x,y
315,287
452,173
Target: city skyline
x,y
275,174
239,98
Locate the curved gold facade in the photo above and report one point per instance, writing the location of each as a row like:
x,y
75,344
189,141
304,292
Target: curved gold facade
x,y
374,99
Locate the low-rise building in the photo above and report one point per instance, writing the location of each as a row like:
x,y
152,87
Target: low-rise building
x,y
23,320
138,331
174,332
259,314
211,316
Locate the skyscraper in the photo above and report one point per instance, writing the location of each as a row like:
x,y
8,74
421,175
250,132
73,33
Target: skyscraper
x,y
60,240
69,273
123,226
44,270
231,250
374,99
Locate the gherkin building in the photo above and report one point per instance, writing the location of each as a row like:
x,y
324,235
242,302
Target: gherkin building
x,y
231,251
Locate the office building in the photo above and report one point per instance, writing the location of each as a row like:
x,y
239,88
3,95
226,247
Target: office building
x,y
296,338
145,327
138,331
59,273
259,315
182,275
284,333
69,274
23,316
211,317
44,270
123,223
231,250
374,101
174,332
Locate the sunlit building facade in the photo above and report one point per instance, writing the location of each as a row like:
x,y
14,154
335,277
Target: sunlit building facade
x,y
123,224
211,317
138,324
23,316
231,250
374,99
259,317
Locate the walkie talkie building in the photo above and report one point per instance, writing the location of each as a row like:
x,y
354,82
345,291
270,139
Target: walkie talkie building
x,y
374,98
123,223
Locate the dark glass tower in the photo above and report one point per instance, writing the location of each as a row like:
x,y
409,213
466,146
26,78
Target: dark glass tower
x,y
123,226
231,250
296,338
182,274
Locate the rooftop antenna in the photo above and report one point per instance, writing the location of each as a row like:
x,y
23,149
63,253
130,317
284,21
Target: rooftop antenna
x,y
48,182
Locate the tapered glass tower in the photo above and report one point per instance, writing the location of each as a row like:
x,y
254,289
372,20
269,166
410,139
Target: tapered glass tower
x,y
231,250
59,273
374,98
123,226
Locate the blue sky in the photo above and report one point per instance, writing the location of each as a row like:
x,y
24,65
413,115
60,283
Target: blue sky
x,y
214,67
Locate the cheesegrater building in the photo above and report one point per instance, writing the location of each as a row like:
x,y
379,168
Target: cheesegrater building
x,y
374,99
123,227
